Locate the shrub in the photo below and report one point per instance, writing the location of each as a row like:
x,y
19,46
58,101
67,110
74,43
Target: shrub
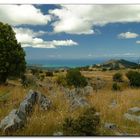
x,y
61,80
134,78
117,77
35,71
27,81
49,73
85,125
116,87
75,78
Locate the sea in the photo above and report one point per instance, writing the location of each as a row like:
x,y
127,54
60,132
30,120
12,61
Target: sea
x,y
71,63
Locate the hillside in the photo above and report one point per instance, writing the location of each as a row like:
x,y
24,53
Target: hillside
x,y
118,64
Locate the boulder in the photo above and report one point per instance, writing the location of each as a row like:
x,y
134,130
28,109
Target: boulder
x,y
88,90
26,107
13,121
79,102
111,126
31,97
134,110
44,102
132,117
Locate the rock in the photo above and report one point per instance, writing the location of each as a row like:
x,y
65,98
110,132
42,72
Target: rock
x,y
58,134
79,102
132,117
25,107
110,126
113,104
134,110
12,122
88,90
31,97
44,102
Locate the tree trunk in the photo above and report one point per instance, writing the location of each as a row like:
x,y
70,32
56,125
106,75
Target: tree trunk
x,y
3,78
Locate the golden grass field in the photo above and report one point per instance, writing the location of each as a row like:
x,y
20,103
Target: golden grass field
x,y
48,122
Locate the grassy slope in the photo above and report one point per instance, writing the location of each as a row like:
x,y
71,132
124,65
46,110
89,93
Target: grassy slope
x,y
45,123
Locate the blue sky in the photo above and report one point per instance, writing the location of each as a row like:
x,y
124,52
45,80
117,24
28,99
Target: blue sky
x,y
75,31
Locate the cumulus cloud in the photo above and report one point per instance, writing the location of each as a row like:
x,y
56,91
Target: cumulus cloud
x,y
82,19
127,35
29,38
138,42
22,14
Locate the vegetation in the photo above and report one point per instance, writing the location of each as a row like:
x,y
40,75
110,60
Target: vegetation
x,y
134,78
85,125
117,77
49,73
116,87
75,78
12,56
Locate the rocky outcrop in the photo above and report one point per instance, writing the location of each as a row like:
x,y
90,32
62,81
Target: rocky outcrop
x,y
17,118
133,114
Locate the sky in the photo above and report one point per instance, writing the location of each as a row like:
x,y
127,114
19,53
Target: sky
x,y
75,31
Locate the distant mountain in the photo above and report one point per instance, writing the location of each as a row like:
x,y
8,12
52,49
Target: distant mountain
x,y
118,64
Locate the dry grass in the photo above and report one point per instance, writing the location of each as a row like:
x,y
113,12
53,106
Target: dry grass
x,y
48,122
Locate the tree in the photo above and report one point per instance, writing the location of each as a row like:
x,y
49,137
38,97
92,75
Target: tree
x,y
75,78
117,77
134,78
12,55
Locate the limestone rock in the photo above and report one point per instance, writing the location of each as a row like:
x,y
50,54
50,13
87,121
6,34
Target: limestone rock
x,y
58,134
111,126
44,102
13,121
132,117
134,110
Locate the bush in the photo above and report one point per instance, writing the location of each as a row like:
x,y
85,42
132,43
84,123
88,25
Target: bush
x,y
116,87
75,78
61,80
85,125
117,77
49,73
134,78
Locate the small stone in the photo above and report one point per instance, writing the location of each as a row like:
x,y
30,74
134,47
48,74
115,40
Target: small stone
x,y
110,126
58,134
134,110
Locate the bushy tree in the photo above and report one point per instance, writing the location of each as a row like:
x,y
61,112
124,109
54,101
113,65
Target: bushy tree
x,y
85,125
116,87
134,78
12,55
117,77
75,78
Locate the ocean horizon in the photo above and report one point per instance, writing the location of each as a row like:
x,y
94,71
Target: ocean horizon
x,y
50,63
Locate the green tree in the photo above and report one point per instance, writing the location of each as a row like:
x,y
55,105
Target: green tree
x,y
12,55
117,77
75,78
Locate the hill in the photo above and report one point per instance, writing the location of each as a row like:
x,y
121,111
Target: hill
x,y
118,64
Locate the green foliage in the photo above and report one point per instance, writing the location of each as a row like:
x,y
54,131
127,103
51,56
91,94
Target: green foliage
x,y
134,78
75,78
12,56
117,77
116,87
49,73
85,125
61,80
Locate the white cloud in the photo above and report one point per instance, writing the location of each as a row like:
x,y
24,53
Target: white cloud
x,y
29,38
22,14
138,42
127,35
81,19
